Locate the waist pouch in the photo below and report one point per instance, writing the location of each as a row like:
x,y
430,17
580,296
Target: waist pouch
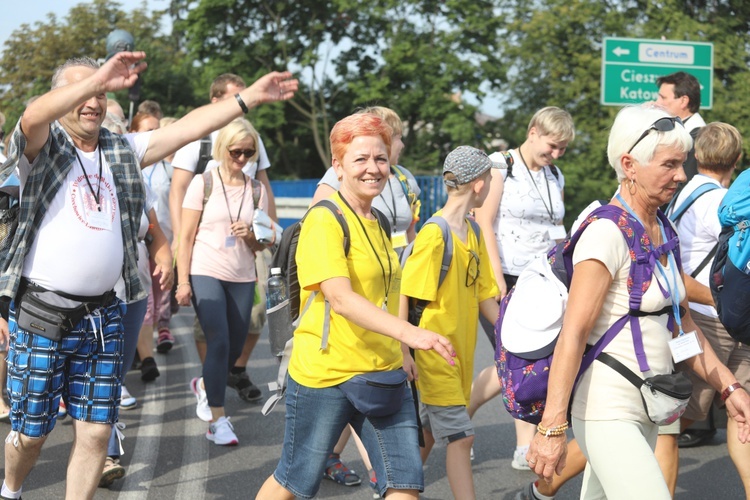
x,y
53,314
376,394
665,397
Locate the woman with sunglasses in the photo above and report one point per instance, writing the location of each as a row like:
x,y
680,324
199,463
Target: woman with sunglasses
x,y
360,292
216,263
646,149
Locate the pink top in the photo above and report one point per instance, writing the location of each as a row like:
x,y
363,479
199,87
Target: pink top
x,y
216,252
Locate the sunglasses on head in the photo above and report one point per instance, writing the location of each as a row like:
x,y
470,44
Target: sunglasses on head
x,y
236,154
665,124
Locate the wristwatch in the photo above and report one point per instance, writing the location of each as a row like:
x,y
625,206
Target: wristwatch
x,y
729,390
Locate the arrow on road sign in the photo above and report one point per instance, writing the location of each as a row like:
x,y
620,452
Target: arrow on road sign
x,y
619,51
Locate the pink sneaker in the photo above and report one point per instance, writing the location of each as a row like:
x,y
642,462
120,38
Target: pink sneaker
x,y
165,341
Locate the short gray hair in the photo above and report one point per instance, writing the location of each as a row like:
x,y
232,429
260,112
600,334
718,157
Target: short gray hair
x,y
629,124
59,81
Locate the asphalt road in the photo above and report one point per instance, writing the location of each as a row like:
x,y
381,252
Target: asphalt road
x,y
167,455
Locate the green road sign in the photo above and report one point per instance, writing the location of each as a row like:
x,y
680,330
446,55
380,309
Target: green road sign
x,y
630,67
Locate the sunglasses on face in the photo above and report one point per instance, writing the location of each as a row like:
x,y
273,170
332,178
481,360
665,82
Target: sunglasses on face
x,y
666,124
236,154
472,269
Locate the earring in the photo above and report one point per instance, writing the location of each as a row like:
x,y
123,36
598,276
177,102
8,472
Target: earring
x,y
631,188
340,178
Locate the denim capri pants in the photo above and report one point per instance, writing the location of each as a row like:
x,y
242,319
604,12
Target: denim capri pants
x,y
315,419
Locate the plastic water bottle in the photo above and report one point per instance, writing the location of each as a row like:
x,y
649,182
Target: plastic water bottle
x,y
275,289
278,312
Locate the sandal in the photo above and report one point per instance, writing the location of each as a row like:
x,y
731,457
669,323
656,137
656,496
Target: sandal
x,y
340,473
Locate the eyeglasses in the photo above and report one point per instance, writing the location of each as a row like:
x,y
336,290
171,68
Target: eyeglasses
x,y
665,124
237,153
472,269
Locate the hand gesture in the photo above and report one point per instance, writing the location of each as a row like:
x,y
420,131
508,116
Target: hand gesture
x,y
183,294
121,71
4,333
426,340
738,407
547,455
167,276
410,367
275,86
242,229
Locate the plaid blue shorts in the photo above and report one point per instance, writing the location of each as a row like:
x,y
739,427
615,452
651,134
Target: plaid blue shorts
x,y
84,368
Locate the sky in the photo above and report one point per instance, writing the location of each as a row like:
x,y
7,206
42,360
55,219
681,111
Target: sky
x,y
37,10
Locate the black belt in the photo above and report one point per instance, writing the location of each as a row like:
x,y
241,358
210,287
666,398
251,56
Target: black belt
x,y
663,310
92,302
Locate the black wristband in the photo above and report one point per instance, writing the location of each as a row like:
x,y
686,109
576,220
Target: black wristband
x,y
241,103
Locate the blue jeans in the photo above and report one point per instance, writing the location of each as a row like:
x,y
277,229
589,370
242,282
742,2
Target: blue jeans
x,y
315,419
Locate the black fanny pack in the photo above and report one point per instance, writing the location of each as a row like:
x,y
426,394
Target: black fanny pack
x,y
53,314
376,394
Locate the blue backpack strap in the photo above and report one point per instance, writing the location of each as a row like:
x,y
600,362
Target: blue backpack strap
x,y
676,213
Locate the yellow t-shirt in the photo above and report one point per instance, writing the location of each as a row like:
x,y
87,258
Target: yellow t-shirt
x,y
453,310
351,349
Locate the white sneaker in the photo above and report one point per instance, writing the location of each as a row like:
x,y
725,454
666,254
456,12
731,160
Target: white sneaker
x,y
201,409
519,460
221,432
127,402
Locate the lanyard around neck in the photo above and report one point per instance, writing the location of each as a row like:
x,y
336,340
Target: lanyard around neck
x,y
99,182
386,283
672,287
550,208
226,198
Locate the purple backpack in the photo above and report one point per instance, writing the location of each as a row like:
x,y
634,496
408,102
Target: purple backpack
x,y
524,376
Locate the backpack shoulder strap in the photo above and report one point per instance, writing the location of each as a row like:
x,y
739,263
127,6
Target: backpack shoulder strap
x,y
204,155
555,171
331,205
383,221
675,214
208,185
474,225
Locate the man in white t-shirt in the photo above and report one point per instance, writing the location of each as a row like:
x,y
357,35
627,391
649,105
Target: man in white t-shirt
x,y
185,163
82,196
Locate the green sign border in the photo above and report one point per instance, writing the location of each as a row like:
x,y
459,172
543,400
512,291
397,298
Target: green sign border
x,y
671,67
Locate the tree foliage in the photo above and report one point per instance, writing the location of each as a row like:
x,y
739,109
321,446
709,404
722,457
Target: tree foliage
x,y
32,53
434,62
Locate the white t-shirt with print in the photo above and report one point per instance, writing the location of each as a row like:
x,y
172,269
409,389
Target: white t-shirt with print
x,y
71,253
523,221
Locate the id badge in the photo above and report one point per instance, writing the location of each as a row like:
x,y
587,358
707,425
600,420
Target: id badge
x,y
230,241
557,232
398,239
99,220
685,346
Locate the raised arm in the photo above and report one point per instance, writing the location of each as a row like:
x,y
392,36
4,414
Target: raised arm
x,y
120,72
275,86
